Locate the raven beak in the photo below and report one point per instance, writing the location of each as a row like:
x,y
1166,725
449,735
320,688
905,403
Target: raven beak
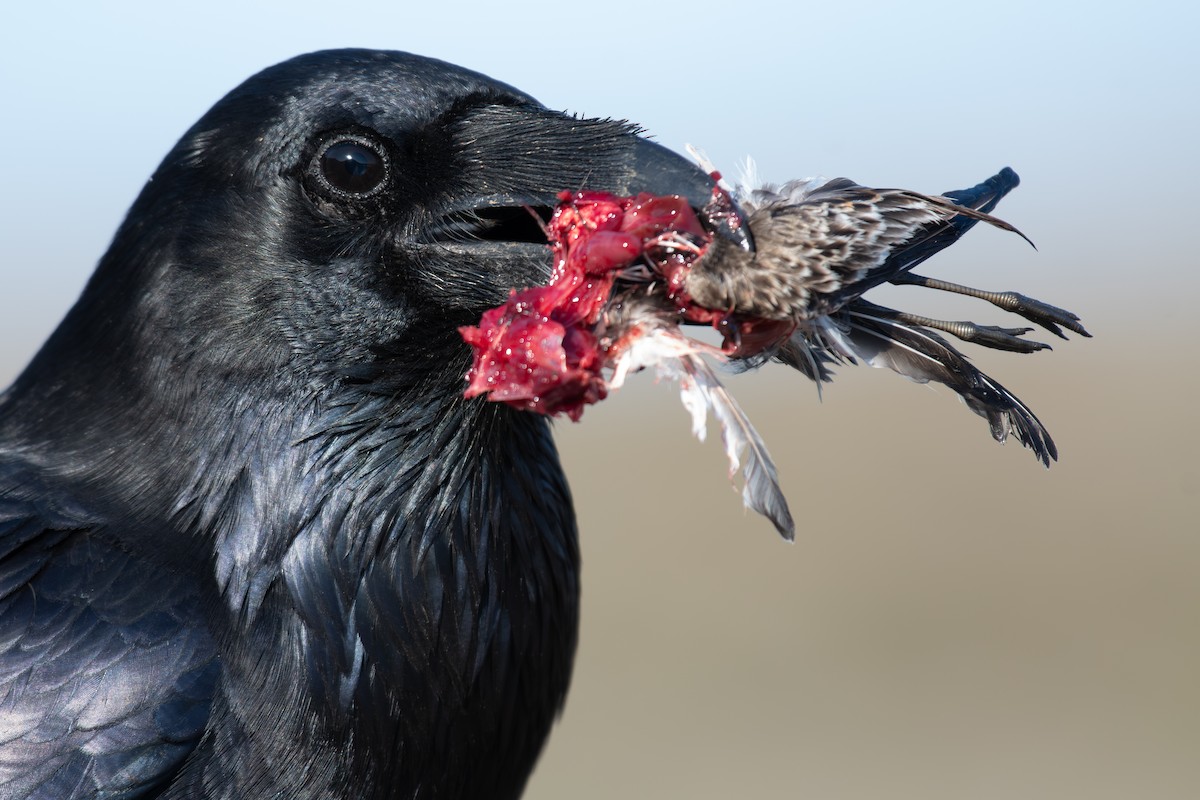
x,y
518,161
511,216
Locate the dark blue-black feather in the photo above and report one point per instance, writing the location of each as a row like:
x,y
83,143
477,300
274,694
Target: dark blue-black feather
x,y
243,503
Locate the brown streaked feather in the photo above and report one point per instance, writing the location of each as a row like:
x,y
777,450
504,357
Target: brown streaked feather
x,y
814,243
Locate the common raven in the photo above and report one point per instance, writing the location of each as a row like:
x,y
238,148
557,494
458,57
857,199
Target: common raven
x,y
253,540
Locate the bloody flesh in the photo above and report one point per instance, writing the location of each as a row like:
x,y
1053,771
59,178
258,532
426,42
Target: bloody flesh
x,y
547,348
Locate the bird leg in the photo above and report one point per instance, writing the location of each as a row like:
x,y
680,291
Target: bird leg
x,y
985,335
1044,314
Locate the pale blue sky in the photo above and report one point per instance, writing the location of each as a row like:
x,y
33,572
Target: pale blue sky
x,y
1095,105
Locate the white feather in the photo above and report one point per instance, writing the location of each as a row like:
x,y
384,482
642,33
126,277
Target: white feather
x,y
708,166
675,356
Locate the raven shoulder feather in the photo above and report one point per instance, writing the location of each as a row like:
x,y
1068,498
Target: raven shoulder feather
x,y
106,663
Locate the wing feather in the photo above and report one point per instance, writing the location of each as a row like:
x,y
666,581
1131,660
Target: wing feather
x,y
106,672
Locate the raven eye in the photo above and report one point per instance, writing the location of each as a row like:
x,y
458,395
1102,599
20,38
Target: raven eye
x,y
352,166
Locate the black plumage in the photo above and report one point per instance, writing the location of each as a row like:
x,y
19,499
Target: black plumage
x,y
253,542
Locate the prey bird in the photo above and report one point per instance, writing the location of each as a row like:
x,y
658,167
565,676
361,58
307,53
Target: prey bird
x,y
820,246
782,276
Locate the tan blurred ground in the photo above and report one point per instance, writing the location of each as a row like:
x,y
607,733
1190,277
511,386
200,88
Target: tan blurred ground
x,y
953,621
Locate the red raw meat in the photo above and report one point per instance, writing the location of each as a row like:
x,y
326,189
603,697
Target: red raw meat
x,y
542,350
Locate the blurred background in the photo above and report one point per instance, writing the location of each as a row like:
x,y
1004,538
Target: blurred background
x,y
952,621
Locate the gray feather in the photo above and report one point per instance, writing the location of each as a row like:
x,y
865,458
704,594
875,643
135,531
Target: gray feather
x,y
761,491
922,355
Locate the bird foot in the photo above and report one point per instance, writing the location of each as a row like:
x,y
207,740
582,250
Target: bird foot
x,y
1043,314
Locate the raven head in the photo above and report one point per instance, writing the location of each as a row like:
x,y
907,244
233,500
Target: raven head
x,y
260,390
348,206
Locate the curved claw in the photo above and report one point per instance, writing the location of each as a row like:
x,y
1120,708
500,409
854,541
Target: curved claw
x,y
996,337
1044,314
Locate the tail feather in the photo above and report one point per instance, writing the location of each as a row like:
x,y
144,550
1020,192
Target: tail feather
x,y
919,354
922,355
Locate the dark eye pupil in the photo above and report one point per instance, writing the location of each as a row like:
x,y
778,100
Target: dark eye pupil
x,y
352,167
